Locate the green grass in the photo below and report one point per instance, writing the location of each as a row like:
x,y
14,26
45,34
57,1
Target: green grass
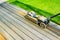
x,y
37,10
51,6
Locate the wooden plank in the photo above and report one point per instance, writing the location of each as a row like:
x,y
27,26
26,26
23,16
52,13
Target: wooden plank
x,y
2,37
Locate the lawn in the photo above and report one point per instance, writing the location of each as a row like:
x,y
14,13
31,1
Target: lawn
x,y
52,6
40,7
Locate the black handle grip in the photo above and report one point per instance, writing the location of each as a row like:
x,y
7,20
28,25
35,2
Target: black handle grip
x,y
55,15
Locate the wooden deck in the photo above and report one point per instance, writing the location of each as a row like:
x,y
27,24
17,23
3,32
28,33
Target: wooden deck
x,y
16,27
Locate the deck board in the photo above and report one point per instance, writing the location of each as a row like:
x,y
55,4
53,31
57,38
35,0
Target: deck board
x,y
16,27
